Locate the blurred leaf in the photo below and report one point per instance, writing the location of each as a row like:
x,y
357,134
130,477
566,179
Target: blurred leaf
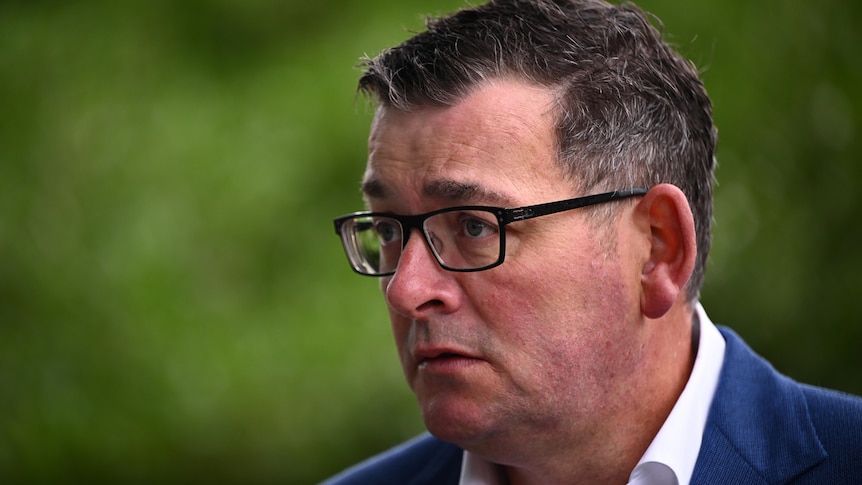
x,y
174,305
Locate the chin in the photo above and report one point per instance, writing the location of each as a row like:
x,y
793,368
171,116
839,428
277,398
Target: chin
x,y
466,424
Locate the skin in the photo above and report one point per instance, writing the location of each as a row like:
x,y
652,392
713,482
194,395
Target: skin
x,y
562,363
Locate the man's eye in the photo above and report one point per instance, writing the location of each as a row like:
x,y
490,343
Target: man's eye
x,y
387,231
474,227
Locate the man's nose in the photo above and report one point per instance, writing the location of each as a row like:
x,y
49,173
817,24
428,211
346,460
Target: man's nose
x,y
420,285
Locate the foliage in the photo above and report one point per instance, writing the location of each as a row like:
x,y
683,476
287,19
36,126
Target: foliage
x,y
174,305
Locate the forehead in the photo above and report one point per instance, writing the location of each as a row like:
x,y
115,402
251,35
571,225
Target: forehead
x,y
496,146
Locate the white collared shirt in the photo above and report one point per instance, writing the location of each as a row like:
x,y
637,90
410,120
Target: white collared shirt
x,y
677,443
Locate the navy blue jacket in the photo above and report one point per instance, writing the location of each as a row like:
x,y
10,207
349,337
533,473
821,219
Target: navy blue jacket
x,y
763,428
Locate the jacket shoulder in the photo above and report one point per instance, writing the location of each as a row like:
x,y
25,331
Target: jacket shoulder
x,y
764,427
837,417
424,460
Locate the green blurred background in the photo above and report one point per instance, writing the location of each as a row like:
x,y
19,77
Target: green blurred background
x,y
174,305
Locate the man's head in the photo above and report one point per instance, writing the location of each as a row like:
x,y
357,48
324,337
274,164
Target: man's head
x,y
580,340
628,110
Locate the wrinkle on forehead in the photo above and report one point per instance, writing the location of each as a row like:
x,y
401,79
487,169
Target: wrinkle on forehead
x,y
493,147
489,108
453,191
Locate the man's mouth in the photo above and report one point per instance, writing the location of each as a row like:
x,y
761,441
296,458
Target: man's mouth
x,y
443,361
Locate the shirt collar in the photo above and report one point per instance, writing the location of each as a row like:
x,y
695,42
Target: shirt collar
x,y
677,443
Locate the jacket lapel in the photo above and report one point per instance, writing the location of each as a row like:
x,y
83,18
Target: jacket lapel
x,y
759,429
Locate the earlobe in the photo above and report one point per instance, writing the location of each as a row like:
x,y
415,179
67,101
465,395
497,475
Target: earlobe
x,y
673,248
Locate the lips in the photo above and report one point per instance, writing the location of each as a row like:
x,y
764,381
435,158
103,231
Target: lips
x,y
442,359
430,353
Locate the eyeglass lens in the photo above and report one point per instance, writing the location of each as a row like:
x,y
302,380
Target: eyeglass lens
x,y
459,239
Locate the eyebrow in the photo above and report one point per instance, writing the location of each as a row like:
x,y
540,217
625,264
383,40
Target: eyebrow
x,y
373,188
446,189
464,192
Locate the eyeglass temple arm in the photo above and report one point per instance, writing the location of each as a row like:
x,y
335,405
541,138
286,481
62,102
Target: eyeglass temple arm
x,y
529,212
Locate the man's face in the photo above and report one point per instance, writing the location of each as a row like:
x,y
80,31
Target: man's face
x,y
544,343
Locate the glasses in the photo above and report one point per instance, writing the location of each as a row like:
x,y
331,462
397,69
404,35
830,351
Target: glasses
x,y
465,238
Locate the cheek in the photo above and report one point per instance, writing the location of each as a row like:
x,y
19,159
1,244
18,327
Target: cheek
x,y
592,293
565,321
402,336
400,332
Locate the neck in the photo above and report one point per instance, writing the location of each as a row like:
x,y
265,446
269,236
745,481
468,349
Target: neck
x,y
609,451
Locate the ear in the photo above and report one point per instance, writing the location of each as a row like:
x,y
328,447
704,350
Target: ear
x,y
665,216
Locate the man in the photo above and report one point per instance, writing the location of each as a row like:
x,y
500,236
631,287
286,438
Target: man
x,y
539,182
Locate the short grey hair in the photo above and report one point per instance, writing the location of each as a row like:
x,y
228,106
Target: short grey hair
x,y
632,111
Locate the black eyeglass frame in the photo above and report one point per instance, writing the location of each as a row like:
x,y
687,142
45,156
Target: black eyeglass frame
x,y
504,217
